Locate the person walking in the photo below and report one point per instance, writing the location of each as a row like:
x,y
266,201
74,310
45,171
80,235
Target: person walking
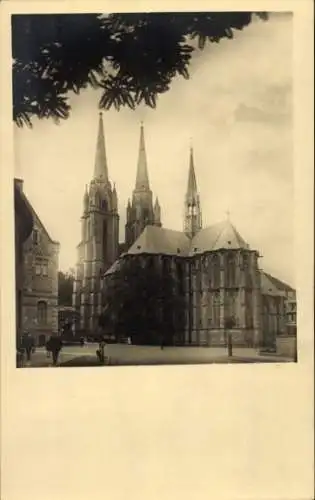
x,y
28,344
54,345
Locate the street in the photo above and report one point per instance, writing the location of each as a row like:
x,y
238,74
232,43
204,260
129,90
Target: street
x,y
123,354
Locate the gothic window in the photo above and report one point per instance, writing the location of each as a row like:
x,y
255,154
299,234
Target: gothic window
x,y
42,312
104,205
230,269
249,309
216,271
216,310
246,267
230,304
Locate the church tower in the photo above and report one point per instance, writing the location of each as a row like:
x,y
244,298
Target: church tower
x,y
140,211
98,248
192,218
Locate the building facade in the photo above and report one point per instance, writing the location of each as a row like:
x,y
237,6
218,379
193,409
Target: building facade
x,y
23,229
99,247
39,300
213,268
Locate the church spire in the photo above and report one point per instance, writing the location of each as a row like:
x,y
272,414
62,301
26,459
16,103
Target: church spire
x,y
142,179
193,221
100,167
192,183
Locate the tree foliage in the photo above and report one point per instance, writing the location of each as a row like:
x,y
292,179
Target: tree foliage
x,y
144,301
65,288
132,58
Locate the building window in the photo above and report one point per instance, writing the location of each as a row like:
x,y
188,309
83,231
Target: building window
x,y
216,310
45,269
35,237
216,271
42,312
230,269
249,309
41,268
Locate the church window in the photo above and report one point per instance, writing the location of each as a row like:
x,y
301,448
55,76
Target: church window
x,y
229,304
216,310
104,205
216,271
42,312
230,270
249,310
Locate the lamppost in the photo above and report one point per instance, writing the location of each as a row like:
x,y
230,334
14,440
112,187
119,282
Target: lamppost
x,y
229,324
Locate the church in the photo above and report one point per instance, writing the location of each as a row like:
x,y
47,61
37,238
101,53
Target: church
x,y
217,270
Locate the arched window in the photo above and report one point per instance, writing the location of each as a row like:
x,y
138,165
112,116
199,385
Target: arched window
x,y
249,309
42,312
216,310
230,304
246,267
104,205
215,271
230,269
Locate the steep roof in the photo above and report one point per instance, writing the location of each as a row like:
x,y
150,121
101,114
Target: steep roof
x,y
33,212
192,183
114,267
280,285
100,167
142,179
222,235
158,240
268,287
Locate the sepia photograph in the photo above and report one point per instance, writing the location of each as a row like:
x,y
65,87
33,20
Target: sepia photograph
x,y
154,189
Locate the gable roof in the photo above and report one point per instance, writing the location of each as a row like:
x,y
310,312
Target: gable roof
x,y
18,183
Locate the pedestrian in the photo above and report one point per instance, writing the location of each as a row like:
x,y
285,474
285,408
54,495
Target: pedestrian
x,y
82,342
28,345
54,345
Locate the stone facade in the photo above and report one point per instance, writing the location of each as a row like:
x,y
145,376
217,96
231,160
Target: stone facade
x,y
23,228
40,280
215,270
99,247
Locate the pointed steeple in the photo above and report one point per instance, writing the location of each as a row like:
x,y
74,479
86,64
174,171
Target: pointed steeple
x,y
192,183
193,220
142,179
100,167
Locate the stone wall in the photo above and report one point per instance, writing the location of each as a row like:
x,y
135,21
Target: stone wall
x,y
40,291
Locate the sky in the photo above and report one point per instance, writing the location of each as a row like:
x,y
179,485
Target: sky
x,y
236,110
